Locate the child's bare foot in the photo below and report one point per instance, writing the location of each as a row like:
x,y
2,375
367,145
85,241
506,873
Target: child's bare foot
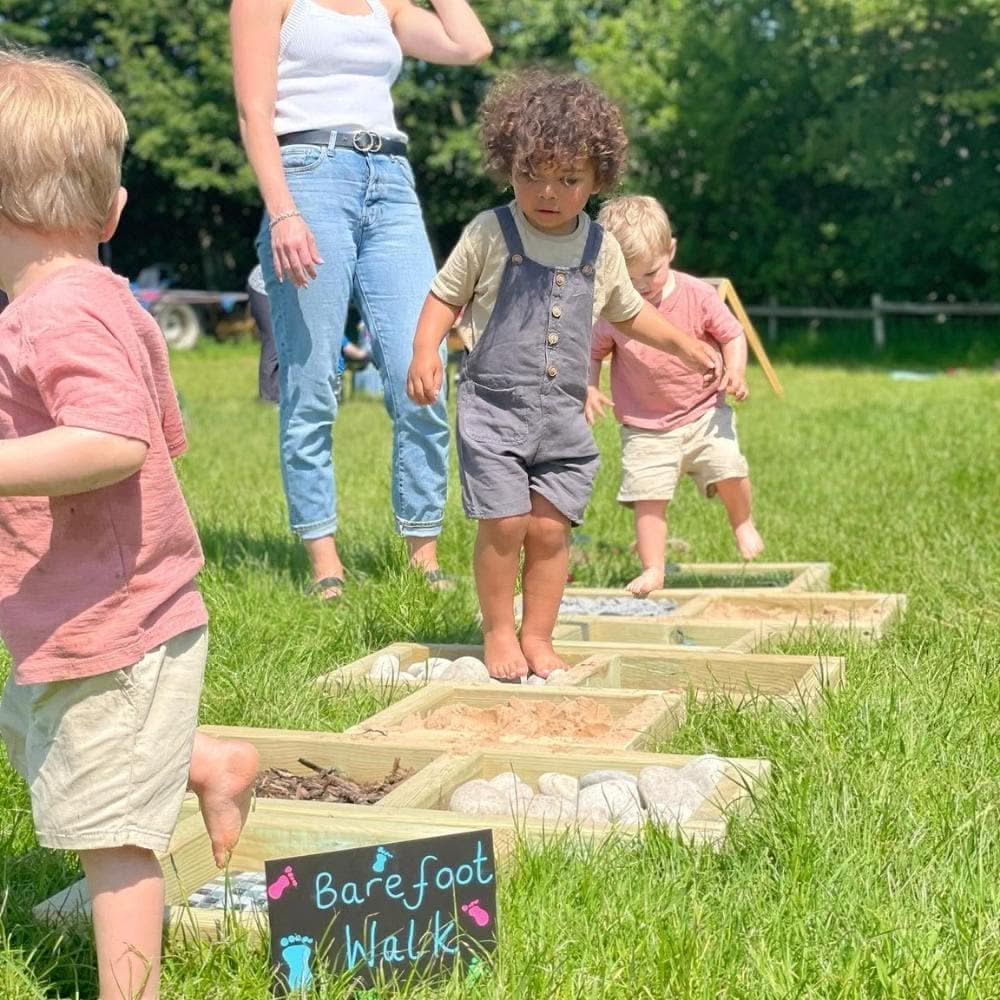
x,y
648,580
222,776
503,656
542,658
748,541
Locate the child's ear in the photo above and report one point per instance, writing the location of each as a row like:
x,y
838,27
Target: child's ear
x,y
673,250
114,216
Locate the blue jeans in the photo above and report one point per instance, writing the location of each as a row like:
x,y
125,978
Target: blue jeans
x,y
365,215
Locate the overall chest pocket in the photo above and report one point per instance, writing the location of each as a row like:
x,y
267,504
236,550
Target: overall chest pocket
x,y
493,416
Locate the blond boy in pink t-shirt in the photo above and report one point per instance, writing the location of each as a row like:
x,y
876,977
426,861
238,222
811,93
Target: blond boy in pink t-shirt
x,y
672,424
98,555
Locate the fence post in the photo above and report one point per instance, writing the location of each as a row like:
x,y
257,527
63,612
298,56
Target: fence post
x,y
772,320
878,322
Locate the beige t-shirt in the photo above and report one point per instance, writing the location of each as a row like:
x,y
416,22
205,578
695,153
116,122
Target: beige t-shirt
x,y
471,275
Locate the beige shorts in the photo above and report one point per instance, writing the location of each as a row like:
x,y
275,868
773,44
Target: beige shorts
x,y
107,757
706,449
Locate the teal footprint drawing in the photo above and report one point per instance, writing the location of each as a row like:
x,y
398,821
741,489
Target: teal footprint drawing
x,y
296,951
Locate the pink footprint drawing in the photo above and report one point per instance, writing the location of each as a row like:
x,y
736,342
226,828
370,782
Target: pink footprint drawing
x,y
281,883
481,917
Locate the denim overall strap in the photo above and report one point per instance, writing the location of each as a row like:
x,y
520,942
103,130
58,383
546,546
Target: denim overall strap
x,y
595,238
509,229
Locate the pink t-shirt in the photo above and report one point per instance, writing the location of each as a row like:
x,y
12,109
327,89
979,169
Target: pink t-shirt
x,y
90,583
653,390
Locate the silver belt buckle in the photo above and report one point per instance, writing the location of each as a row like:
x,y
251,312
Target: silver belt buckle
x,y
367,142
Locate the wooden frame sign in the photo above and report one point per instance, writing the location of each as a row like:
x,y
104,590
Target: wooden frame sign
x,y
382,913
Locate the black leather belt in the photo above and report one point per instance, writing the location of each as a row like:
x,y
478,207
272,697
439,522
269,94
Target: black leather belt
x,y
362,142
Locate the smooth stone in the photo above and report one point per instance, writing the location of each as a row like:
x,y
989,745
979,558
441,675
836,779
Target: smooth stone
x,y
505,781
557,677
565,786
534,680
385,668
668,795
598,777
549,807
478,798
472,662
469,673
705,772
620,798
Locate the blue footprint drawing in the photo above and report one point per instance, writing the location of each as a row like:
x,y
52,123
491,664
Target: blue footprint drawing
x,y
296,950
381,857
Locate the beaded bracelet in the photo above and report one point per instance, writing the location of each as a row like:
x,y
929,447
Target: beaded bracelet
x,y
281,218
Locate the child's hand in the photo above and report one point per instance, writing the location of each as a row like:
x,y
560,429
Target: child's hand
x,y
593,408
423,381
735,384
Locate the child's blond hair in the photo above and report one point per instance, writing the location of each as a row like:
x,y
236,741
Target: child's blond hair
x,y
61,143
640,225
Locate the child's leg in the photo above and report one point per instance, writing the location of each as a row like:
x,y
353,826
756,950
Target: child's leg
x,y
650,544
222,776
546,564
126,892
497,556
735,496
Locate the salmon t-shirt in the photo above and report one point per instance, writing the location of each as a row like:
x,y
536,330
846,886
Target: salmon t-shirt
x,y
656,391
91,582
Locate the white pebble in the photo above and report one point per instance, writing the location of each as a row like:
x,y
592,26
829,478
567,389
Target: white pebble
x,y
549,807
478,798
471,662
385,667
705,772
669,796
557,677
598,777
620,798
565,786
465,673
534,680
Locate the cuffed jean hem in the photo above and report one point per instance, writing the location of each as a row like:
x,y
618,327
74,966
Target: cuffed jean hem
x,y
419,529
310,532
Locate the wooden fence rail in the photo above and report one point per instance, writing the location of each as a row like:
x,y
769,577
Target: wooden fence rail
x,y
876,314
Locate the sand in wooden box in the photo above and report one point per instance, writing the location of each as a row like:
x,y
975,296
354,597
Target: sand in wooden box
x,y
740,781
462,719
863,613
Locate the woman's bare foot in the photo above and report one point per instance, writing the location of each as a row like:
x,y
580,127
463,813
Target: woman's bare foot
x,y
542,659
222,776
647,581
748,541
503,656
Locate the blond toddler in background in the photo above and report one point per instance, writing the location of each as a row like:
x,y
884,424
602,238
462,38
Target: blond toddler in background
x,y
671,423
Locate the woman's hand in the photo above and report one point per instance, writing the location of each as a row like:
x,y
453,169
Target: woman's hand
x,y
294,250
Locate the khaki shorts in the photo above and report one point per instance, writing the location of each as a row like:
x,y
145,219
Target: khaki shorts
x,y
654,461
107,757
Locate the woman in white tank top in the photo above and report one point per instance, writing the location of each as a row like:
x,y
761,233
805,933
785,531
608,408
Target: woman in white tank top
x,y
342,224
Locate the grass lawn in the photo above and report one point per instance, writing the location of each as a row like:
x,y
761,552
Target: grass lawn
x,y
871,869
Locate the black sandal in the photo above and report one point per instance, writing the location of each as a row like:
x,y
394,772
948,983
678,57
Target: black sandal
x,y
436,579
327,583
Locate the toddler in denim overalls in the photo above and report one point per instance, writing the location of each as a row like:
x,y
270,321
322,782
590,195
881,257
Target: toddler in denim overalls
x,y
529,279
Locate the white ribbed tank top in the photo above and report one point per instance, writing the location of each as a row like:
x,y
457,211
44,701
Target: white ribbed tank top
x,y
335,70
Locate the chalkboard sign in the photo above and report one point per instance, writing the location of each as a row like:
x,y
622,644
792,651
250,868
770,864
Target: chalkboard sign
x,y
382,912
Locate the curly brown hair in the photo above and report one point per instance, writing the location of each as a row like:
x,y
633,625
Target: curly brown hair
x,y
535,119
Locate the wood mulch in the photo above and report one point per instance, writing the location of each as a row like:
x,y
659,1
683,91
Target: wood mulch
x,y
327,784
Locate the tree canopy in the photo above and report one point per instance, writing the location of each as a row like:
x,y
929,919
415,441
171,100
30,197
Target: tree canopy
x,y
815,150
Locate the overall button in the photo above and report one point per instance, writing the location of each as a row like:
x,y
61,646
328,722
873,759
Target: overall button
x,y
588,269
517,258
553,339
560,279
552,371
556,311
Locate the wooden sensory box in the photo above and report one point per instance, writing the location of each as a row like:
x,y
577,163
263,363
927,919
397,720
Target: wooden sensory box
x,y
639,717
694,578
743,781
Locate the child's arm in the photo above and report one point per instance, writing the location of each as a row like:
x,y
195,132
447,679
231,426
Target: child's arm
x,y
67,460
649,327
593,407
423,381
734,357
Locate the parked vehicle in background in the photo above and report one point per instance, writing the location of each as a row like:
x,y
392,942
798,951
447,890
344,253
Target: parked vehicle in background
x,y
184,315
